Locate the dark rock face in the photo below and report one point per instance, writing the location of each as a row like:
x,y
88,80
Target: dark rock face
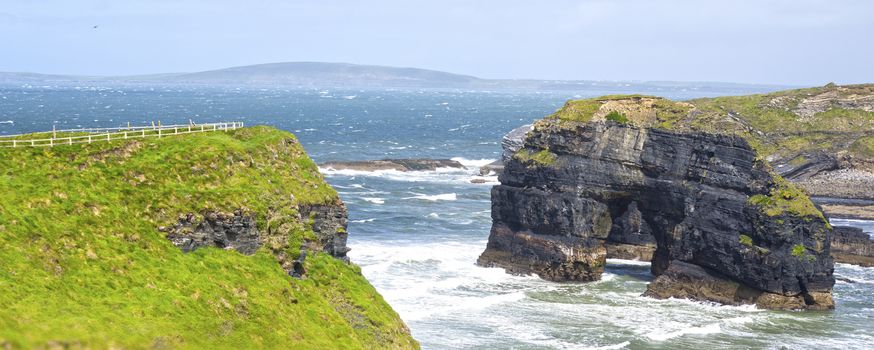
x,y
329,223
631,237
686,194
229,231
395,164
685,280
851,245
239,231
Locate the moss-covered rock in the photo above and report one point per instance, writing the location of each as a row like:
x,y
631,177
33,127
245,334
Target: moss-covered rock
x,y
84,262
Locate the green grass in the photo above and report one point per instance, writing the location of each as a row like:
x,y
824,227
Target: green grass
x,y
577,110
638,110
746,240
542,157
83,263
786,198
798,250
617,117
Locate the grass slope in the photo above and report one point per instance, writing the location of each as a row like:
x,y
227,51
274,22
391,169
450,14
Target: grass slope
x,y
82,263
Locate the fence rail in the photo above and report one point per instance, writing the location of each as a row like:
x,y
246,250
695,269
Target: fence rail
x,y
108,134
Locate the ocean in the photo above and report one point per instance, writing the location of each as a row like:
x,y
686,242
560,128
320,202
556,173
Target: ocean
x,y
417,235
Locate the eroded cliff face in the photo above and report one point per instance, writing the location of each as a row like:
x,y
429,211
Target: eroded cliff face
x,y
239,231
702,203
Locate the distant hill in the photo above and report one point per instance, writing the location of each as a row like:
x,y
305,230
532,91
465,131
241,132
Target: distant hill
x,y
320,73
339,75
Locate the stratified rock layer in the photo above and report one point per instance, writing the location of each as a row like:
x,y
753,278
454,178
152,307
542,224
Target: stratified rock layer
x,y
851,245
573,187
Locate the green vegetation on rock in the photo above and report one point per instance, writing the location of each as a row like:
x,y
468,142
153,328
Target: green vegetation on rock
x,y
542,157
783,125
798,250
637,110
615,116
786,198
84,265
746,240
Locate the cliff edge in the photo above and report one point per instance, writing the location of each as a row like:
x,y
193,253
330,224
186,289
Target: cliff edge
x,y
725,227
213,240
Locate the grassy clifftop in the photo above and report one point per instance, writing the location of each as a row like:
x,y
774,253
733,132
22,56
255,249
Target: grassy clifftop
x,y
786,125
83,263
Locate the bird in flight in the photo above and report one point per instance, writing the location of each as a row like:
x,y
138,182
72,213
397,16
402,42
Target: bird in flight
x,y
95,27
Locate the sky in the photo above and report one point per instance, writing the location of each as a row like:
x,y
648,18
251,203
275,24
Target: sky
x,y
791,42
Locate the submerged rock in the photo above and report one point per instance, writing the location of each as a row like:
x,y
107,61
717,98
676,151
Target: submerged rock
x,y
394,164
577,188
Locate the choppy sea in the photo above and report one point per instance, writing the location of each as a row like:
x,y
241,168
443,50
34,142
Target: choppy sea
x,y
417,235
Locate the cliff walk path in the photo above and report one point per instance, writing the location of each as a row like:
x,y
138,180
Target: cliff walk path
x,y
90,135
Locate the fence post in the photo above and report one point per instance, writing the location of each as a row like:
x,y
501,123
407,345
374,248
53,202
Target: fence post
x,y
107,137
14,143
125,135
89,138
71,140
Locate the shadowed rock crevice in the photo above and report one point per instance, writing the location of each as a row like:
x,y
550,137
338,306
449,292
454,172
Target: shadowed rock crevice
x,y
670,197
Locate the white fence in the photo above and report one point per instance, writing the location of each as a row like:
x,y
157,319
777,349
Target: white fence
x,y
109,134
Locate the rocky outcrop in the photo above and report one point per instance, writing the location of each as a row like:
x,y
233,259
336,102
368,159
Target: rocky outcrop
x,y
239,231
851,245
510,143
394,164
513,141
222,230
576,188
328,222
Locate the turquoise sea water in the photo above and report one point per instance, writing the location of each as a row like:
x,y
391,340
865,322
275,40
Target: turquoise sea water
x,y
417,235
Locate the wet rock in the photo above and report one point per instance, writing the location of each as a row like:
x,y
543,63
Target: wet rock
x,y
689,281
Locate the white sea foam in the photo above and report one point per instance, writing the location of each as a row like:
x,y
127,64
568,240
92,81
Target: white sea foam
x,y
473,163
433,216
434,198
628,262
362,221
374,200
621,345
6,122
662,335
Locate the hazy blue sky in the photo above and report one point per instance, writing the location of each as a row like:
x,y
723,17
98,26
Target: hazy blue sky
x,y
807,42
